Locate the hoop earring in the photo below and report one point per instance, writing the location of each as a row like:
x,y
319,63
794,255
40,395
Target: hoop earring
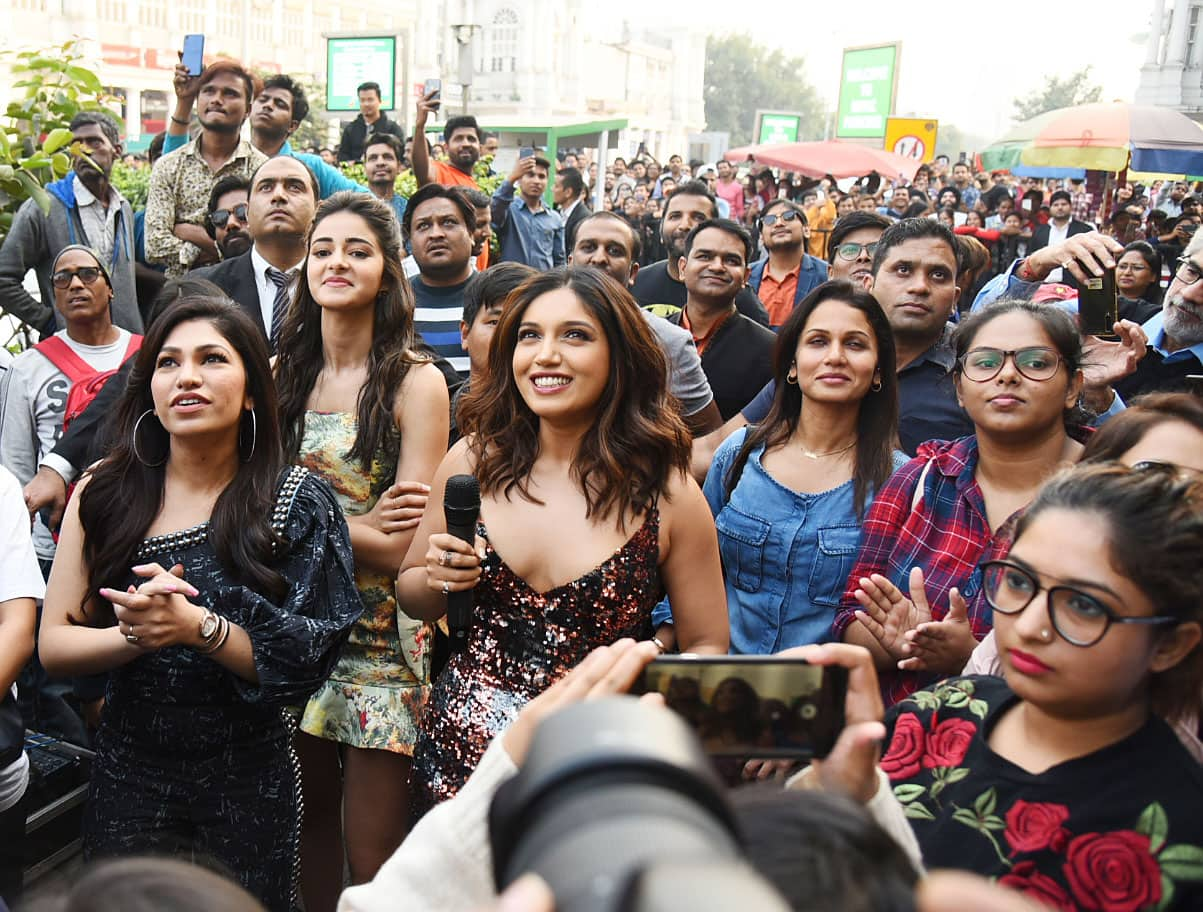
x,y
876,387
791,379
254,437
137,455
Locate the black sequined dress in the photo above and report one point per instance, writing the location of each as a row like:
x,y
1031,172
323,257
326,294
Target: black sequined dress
x,y
522,641
193,761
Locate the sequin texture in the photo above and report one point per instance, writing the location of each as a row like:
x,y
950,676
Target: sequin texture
x,y
523,641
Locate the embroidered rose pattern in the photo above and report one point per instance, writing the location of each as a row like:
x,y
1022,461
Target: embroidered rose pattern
x,y
1113,871
1027,879
1036,825
948,743
902,759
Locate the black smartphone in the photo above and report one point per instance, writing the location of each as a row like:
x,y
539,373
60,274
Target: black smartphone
x,y
194,54
753,706
526,152
1098,305
433,92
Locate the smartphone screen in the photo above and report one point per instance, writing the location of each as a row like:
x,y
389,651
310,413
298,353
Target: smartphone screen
x,y
435,86
194,54
526,152
1098,305
753,706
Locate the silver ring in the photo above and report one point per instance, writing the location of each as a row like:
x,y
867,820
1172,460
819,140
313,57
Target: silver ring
x,y
1067,263
445,560
446,588
130,638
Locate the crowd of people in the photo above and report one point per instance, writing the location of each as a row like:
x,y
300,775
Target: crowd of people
x,y
731,411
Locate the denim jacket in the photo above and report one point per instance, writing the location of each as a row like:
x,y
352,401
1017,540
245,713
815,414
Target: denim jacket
x,y
786,556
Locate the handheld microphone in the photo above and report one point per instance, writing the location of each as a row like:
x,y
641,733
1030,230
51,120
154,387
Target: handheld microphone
x,y
461,508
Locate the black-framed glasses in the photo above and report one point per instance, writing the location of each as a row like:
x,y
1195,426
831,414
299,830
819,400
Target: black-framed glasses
x,y
789,215
850,250
87,274
220,217
1036,363
1187,272
1079,618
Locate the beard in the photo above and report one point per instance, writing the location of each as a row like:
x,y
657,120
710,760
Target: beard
x,y
1183,322
235,243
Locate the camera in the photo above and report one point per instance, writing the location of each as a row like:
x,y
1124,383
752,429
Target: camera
x,y
618,809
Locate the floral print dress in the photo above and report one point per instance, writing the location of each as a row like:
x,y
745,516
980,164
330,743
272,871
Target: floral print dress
x,y
1119,830
377,691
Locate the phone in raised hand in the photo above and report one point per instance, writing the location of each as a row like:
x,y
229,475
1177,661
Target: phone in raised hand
x,y
194,54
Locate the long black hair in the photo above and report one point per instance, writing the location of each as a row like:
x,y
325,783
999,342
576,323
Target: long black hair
x,y
240,528
877,416
301,353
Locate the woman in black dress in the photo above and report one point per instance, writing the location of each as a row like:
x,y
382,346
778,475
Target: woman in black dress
x,y
215,584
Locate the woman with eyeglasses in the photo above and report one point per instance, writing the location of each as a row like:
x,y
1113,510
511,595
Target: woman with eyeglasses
x,y
37,388
914,597
1138,281
1061,779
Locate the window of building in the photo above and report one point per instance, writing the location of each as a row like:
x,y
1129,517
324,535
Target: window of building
x,y
153,13
190,14
1192,37
111,11
503,42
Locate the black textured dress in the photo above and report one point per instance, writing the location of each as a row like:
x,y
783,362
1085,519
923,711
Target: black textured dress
x,y
194,762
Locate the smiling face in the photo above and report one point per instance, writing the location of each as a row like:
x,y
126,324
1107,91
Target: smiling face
x,y
836,357
561,360
1010,403
345,267
684,212
783,234
199,384
81,302
1042,667
716,267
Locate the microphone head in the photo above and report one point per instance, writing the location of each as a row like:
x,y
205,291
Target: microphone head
x,y
462,493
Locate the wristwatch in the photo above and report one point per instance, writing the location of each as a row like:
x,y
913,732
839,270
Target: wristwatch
x,y
208,626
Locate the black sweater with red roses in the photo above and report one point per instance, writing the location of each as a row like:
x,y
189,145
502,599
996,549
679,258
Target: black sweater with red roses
x,y
1119,830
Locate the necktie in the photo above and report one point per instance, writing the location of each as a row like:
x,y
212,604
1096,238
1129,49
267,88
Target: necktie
x,y
280,306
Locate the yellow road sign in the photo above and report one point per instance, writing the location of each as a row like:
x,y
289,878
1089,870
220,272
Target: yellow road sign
x,y
914,137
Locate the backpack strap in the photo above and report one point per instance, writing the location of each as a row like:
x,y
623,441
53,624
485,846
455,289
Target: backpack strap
x,y
60,354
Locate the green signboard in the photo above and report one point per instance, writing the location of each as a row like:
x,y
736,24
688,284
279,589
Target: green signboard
x,y
353,61
777,127
868,81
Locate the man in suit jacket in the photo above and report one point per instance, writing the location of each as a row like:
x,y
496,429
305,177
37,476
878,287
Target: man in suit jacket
x,y
1061,226
568,193
280,209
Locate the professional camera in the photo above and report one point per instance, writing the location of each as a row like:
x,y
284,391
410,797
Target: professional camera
x,y
618,809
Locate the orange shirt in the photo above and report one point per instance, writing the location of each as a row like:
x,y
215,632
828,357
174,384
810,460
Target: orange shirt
x,y
482,261
448,176
702,341
778,296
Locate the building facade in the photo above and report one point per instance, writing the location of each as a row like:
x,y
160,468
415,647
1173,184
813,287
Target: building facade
x,y
1172,74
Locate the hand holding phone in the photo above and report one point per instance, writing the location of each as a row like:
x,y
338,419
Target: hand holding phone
x,y
526,152
1098,305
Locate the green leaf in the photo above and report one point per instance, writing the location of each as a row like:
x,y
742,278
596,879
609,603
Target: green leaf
x,y
994,822
1182,862
937,787
56,139
35,191
1154,824
1167,894
6,173
917,812
957,774
908,793
985,803
957,699
86,78
60,163
979,708
967,817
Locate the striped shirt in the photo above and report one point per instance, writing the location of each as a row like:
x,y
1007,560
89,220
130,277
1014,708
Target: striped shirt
x,y
437,316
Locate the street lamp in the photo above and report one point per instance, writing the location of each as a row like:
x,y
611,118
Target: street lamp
x,y
463,37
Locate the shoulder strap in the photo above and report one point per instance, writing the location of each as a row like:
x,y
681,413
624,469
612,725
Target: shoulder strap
x,y
60,354
918,495
290,481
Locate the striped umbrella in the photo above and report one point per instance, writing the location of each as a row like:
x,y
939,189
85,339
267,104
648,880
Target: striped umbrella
x,y
1102,137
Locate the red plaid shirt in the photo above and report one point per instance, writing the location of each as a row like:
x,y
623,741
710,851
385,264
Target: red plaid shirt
x,y
947,535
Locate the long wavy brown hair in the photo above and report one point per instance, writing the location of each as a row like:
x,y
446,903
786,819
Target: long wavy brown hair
x,y
301,354
637,439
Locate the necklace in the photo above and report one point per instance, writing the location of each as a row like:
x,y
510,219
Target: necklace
x,y
812,455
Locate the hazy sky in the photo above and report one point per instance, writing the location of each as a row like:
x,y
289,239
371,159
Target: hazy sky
x,y
962,62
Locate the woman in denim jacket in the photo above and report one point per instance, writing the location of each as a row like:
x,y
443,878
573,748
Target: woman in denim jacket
x,y
788,495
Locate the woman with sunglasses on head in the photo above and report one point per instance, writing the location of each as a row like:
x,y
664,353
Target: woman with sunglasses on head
x,y
914,597
37,388
587,514
214,584
1061,778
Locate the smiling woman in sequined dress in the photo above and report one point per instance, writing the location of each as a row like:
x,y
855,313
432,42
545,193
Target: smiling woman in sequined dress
x,y
215,585
587,514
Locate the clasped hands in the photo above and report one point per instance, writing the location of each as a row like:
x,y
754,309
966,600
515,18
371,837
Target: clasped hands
x,y
904,627
157,613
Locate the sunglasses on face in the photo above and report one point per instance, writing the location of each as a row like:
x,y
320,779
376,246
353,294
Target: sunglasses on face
x,y
851,250
87,274
788,216
1079,618
1035,363
221,217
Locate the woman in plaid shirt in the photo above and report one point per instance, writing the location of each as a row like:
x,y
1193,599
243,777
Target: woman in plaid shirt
x,y
954,505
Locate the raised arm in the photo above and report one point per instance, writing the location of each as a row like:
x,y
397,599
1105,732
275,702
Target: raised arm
x,y
419,153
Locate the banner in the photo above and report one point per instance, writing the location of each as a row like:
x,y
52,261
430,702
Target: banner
x,y
868,83
351,62
777,127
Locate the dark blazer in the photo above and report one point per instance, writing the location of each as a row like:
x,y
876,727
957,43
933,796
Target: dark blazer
x,y
236,277
579,214
1040,236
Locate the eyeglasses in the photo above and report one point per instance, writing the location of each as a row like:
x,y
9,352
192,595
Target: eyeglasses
x,y
851,250
1187,272
220,217
1078,618
1131,267
87,274
789,215
1035,363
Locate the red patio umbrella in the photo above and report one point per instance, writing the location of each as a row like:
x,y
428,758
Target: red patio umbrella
x,y
839,159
